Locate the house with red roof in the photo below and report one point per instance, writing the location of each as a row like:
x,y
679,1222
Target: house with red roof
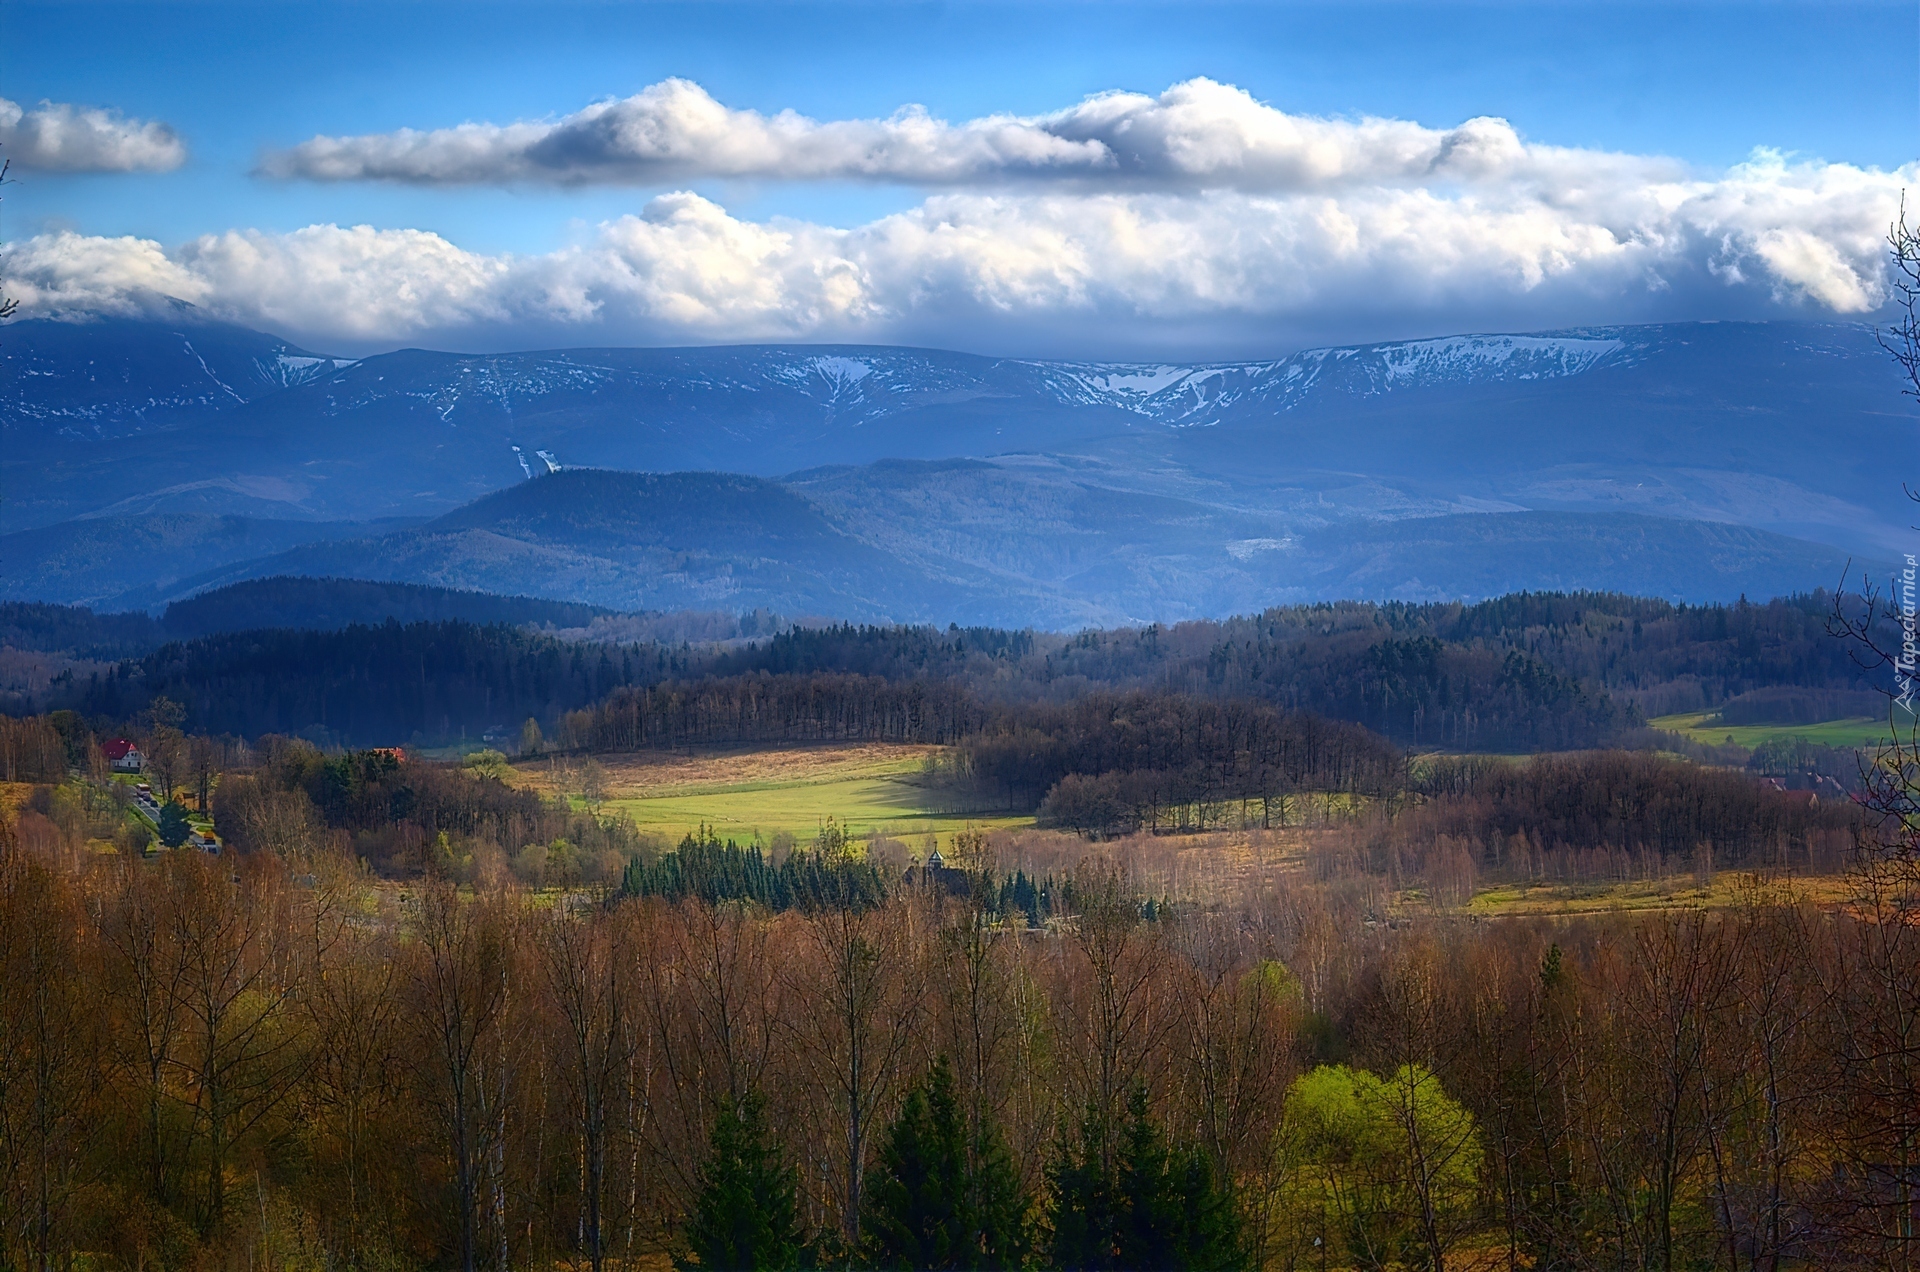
x,y
123,756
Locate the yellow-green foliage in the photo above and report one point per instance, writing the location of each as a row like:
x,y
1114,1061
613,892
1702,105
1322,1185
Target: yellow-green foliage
x,y
486,763
1385,1169
1269,978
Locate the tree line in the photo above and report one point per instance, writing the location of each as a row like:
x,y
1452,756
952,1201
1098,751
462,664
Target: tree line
x,y
1593,816
1155,753
707,869
1528,672
787,708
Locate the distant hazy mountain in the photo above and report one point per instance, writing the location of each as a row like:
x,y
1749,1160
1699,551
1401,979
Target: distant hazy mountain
x,y
1786,427
146,560
137,562
644,541
1064,530
945,485
968,541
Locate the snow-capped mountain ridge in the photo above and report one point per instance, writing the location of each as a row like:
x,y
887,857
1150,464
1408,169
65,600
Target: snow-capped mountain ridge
x,y
252,424
860,383
1182,395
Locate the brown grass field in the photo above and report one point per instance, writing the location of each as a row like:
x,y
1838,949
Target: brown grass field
x,y
876,792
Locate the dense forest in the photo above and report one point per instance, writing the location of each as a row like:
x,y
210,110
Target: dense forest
x,y
327,604
1522,673
270,1061
368,685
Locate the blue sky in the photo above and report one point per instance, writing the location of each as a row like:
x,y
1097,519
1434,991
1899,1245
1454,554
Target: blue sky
x,y
1832,87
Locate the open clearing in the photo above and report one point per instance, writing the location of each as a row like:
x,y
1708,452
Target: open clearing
x,y
1727,888
877,789
1704,726
867,788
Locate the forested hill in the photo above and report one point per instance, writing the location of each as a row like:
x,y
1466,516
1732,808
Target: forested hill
x,y
319,604
1522,673
323,604
1659,657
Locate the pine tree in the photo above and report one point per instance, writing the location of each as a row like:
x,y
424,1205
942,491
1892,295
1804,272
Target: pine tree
x,y
1154,1207
917,1190
999,1204
174,827
937,1200
1084,1234
743,1219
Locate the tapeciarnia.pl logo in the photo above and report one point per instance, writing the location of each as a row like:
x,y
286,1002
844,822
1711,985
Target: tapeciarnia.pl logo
x,y
1903,666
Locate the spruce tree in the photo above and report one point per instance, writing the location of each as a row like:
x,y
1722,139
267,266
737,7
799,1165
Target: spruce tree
x,y
1210,1236
743,1218
939,1199
174,827
916,1192
1177,1215
1148,1233
998,1203
1084,1232
1150,1206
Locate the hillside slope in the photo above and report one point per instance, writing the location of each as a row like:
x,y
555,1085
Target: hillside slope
x,y
1015,546
648,541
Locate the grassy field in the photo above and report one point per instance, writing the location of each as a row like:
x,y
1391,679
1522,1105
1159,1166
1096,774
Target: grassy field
x,y
867,788
1727,888
1704,726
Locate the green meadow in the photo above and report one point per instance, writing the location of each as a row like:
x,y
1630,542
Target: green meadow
x,y
867,789
1705,726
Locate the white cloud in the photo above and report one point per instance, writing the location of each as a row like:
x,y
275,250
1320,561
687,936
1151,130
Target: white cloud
x,y
57,137
361,283
1065,268
1197,134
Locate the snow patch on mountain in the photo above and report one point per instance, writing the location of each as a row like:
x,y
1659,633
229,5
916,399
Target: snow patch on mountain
x,y
289,369
843,377
842,370
1247,549
1126,380
1188,396
1498,357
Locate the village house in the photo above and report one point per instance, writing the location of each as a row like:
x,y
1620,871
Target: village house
x,y
123,756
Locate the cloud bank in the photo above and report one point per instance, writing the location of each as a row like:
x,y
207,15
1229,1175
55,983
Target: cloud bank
x,y
1199,134
57,137
1195,219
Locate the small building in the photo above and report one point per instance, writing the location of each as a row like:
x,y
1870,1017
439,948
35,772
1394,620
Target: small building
x,y
123,756
1794,794
936,875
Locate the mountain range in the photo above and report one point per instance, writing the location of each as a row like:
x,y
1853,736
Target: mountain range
x,y
149,459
